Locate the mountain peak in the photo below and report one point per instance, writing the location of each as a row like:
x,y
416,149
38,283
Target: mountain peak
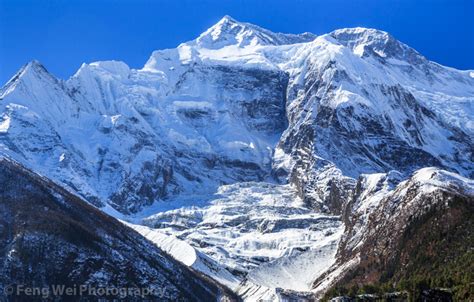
x,y
30,72
229,31
32,67
228,18
352,37
369,41
35,63
361,31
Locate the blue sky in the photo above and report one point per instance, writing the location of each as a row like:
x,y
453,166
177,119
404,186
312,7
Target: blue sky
x,y
64,33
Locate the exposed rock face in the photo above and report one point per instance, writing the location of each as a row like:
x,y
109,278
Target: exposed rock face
x,y
396,233
50,237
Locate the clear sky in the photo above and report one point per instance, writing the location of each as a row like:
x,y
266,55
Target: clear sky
x,y
64,33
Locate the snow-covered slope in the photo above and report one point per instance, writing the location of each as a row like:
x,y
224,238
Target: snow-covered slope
x,y
253,238
285,128
128,140
356,105
190,256
251,224
229,31
212,111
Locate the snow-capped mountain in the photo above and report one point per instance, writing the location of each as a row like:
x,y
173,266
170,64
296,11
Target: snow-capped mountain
x,y
248,146
212,110
229,32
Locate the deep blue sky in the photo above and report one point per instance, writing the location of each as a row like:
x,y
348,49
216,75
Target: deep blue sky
x,y
63,34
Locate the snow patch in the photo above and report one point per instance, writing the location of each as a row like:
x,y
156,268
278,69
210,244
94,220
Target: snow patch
x,y
5,124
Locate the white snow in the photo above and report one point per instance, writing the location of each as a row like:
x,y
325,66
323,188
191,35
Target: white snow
x,y
257,228
188,255
5,124
435,177
335,276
